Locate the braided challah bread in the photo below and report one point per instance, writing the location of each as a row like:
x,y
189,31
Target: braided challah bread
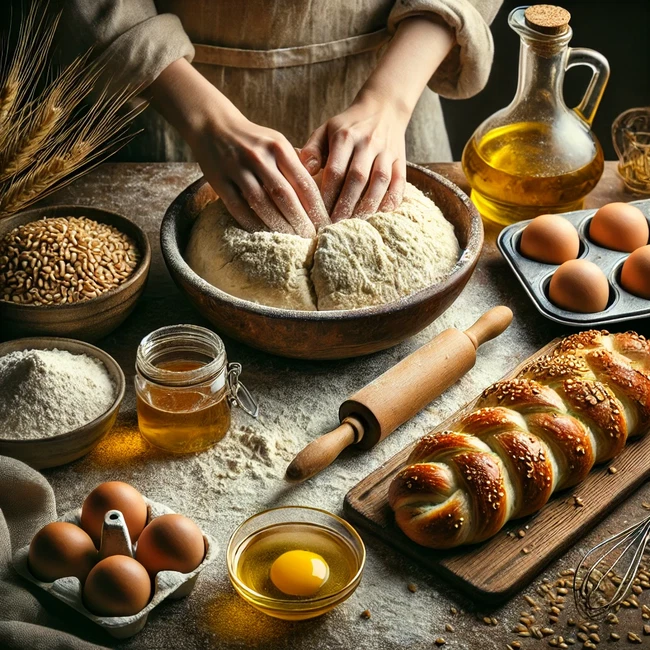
x,y
529,436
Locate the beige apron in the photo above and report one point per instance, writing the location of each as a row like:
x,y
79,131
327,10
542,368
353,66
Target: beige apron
x,y
289,66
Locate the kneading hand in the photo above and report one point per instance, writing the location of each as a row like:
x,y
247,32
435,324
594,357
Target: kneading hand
x,y
362,154
255,170
258,175
362,150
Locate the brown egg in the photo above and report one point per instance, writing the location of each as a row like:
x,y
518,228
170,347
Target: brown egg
x,y
579,285
117,586
113,495
61,549
170,543
619,227
551,239
635,274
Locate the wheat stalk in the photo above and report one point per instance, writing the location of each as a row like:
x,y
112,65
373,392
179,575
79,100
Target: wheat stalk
x,y
47,141
26,65
40,121
85,143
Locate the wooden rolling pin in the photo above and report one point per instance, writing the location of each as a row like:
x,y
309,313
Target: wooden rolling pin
x,y
401,392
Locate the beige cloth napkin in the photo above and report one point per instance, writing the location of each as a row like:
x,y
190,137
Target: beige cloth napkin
x,y
29,618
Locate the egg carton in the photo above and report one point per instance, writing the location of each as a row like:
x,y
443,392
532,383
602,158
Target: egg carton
x,y
115,541
535,277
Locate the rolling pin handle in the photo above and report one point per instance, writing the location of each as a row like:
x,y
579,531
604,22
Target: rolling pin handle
x,y
490,325
323,451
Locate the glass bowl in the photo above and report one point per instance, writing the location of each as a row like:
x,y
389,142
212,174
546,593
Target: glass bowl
x,y
294,609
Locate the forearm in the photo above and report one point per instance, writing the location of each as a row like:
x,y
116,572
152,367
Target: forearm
x,y
254,170
189,102
413,55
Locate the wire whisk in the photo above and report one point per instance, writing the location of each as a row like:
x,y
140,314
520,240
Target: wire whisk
x,y
601,585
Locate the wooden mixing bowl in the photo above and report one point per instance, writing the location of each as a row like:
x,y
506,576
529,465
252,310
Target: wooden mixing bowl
x,y
324,334
88,320
68,445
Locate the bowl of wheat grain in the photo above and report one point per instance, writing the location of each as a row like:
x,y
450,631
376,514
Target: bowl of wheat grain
x,y
70,271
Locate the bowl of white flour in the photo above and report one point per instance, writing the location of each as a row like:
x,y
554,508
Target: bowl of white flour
x,y
361,285
58,398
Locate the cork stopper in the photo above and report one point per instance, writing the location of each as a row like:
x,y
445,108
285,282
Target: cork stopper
x,y
547,19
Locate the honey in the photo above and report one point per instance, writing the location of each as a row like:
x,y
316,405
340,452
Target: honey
x,y
185,389
522,170
180,419
257,553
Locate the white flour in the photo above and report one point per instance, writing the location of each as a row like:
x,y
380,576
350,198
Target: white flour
x,y
47,392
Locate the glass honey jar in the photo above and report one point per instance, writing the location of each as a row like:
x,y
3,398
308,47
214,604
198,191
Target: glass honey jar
x,y
537,155
185,389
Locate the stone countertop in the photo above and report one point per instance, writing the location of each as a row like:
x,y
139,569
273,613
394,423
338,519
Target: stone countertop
x,y
299,400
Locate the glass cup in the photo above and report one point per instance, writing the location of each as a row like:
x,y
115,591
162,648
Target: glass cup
x,y
631,137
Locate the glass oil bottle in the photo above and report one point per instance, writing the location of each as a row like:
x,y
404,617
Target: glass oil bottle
x,y
537,155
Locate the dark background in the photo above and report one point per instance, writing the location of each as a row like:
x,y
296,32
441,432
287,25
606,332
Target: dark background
x,y
618,29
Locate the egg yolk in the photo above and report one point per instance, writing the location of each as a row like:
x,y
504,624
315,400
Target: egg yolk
x,y
299,573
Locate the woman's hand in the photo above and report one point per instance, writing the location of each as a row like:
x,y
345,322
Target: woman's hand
x,y
254,170
361,150
258,175
362,154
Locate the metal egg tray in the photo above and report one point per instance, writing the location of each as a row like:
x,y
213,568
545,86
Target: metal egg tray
x,y
536,276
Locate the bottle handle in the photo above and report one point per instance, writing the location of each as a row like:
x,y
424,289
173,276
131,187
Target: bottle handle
x,y
599,65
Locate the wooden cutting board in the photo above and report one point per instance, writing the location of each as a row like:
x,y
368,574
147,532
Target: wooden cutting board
x,y
499,567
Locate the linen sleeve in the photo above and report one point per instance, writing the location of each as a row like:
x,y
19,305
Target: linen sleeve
x,y
131,39
466,69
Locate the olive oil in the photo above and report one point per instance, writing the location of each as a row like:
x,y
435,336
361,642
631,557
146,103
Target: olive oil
x,y
182,419
521,170
256,554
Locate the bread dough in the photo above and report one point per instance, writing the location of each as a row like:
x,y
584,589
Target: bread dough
x,y
269,268
351,264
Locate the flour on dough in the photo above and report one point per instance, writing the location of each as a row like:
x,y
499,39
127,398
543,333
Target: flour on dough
x,y
269,268
351,264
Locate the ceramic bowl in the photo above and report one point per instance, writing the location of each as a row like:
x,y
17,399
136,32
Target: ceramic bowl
x,y
292,608
91,319
67,445
324,334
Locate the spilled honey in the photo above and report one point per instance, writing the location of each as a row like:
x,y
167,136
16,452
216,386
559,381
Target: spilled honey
x,y
521,170
182,419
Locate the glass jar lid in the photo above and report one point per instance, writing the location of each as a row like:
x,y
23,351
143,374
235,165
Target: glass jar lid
x,y
181,343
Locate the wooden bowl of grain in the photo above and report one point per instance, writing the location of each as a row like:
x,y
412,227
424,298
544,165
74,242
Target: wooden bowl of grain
x,y
324,334
89,319
66,446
